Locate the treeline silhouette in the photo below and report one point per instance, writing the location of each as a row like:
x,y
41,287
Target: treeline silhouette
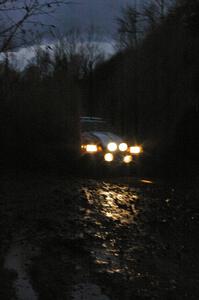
x,y
151,90
39,112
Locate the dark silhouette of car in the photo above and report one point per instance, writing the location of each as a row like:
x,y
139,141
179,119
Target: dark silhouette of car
x,y
99,143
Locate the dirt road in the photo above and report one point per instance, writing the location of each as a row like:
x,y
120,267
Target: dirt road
x,y
71,238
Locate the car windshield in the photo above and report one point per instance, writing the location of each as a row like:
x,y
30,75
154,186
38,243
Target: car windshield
x,y
94,124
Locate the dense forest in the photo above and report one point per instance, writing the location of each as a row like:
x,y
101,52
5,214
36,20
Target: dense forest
x,y
39,108
148,90
151,86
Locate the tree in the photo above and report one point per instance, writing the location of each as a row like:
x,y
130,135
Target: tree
x,y
18,17
155,11
135,22
81,48
161,7
80,51
129,29
189,11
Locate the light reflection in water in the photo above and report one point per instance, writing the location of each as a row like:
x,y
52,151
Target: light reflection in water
x,y
118,206
110,203
146,181
107,258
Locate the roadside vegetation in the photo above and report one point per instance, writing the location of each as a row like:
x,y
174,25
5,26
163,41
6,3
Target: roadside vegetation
x,y
151,86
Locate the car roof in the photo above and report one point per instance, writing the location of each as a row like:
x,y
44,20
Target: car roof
x,y
91,119
93,124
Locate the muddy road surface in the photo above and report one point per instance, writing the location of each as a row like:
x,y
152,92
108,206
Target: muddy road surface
x,y
65,238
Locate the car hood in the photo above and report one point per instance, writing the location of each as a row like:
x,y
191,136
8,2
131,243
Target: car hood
x,y
106,137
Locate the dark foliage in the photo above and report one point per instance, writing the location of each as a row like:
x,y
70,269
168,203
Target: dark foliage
x,y
147,91
39,115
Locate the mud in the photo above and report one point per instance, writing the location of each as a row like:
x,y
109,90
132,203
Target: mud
x,y
17,259
118,239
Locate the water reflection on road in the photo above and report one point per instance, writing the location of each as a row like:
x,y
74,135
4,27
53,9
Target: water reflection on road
x,y
127,234
102,240
112,211
114,202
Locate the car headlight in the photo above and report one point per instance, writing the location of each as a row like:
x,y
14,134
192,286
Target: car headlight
x,y
123,147
108,157
91,148
112,147
135,149
127,159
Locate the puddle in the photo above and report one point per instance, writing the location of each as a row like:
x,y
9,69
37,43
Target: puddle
x,y
16,261
88,291
116,203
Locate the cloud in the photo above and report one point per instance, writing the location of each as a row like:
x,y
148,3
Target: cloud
x,y
82,13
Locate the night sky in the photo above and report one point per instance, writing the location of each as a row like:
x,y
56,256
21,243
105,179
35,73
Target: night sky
x,y
81,14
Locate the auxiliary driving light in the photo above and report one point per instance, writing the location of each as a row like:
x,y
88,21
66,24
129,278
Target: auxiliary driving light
x,y
108,157
91,148
112,147
123,147
127,159
135,149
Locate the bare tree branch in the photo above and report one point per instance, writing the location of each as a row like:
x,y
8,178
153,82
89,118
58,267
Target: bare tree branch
x,y
15,14
134,23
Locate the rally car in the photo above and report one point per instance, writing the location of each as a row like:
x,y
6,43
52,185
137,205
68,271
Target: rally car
x,y
98,142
